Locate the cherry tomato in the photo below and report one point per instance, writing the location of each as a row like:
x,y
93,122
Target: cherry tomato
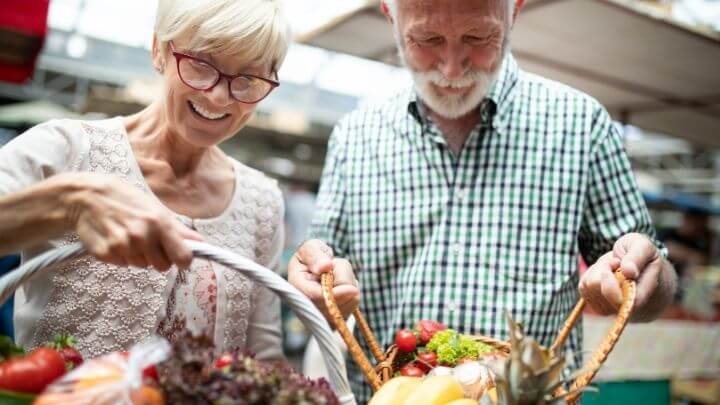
x,y
410,370
426,361
426,329
224,360
405,340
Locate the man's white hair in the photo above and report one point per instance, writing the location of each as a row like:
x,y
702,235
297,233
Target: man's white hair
x,y
255,30
392,6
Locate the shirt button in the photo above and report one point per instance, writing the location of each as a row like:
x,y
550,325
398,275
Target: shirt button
x,y
456,248
462,194
452,306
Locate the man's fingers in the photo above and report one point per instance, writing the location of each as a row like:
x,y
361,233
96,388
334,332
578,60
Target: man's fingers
x,y
343,272
597,287
610,289
647,283
316,255
635,252
345,293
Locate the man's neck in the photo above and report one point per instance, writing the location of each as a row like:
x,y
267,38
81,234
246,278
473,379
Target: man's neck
x,y
456,130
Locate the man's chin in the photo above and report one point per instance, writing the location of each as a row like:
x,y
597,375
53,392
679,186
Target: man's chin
x,y
448,106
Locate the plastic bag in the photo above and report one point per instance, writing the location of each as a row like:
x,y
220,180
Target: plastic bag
x,y
116,378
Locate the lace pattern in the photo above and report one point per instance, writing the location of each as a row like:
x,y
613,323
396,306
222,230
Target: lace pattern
x,y
109,308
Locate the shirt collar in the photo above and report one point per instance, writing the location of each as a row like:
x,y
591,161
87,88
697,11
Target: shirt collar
x,y
497,100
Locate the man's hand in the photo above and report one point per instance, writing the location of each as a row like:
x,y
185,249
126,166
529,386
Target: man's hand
x,y
311,260
638,259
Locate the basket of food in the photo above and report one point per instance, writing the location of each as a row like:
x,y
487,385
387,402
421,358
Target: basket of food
x,y
153,372
435,365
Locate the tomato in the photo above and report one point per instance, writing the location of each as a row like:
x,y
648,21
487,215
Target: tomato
x,y
426,329
427,361
72,357
65,344
410,370
405,340
149,372
31,373
225,360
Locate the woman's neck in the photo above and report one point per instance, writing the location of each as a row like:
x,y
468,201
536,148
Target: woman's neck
x,y
152,137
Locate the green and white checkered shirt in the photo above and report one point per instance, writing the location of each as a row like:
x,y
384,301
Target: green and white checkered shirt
x,y
459,239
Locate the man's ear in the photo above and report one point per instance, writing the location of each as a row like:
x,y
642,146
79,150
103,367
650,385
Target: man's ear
x,y
386,10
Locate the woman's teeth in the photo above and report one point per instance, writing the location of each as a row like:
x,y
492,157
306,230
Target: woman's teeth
x,y
205,113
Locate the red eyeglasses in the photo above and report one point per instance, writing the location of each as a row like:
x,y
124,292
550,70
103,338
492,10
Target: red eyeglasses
x,y
201,75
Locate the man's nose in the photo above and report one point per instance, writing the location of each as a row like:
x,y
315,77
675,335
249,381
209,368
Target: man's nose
x,y
455,61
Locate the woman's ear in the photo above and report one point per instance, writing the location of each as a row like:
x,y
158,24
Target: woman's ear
x,y
386,11
516,10
158,56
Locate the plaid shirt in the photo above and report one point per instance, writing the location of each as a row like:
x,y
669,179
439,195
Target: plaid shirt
x,y
459,239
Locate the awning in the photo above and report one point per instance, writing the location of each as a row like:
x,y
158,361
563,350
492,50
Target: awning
x,y
647,70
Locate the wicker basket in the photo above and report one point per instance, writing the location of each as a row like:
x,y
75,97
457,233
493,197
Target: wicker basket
x,y
383,370
299,303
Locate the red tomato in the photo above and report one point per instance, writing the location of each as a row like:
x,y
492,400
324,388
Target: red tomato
x,y
410,370
31,373
65,344
224,360
426,329
426,361
149,372
405,340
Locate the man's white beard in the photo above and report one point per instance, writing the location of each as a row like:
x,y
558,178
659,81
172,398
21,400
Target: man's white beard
x,y
452,106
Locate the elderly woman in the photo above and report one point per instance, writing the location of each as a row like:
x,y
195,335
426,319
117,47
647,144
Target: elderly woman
x,y
132,188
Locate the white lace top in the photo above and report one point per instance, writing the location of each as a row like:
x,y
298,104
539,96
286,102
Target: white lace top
x,y
109,308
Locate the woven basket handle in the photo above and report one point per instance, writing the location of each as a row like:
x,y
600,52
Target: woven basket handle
x,y
298,302
601,353
328,280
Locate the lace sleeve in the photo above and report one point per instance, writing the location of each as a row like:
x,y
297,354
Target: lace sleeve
x,y
42,151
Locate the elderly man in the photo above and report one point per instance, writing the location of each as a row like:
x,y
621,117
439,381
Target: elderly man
x,y
476,191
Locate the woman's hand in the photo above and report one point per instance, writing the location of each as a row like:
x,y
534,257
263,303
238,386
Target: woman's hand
x,y
120,224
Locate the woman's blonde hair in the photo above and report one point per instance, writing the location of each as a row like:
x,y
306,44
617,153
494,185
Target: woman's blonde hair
x,y
255,30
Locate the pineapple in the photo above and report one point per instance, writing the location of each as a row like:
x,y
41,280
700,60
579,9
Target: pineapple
x,y
531,373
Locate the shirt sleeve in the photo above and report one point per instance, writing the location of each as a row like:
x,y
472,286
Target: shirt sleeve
x,y
614,205
330,220
39,153
264,329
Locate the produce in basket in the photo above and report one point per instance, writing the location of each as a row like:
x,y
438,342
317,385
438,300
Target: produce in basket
x,y
530,375
435,390
395,391
191,376
430,345
452,347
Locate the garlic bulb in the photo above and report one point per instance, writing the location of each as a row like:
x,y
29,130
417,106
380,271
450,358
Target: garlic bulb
x,y
475,378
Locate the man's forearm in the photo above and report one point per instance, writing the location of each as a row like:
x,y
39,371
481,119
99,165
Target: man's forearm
x,y
661,298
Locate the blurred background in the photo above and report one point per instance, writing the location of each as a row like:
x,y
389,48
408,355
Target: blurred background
x,y
654,64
